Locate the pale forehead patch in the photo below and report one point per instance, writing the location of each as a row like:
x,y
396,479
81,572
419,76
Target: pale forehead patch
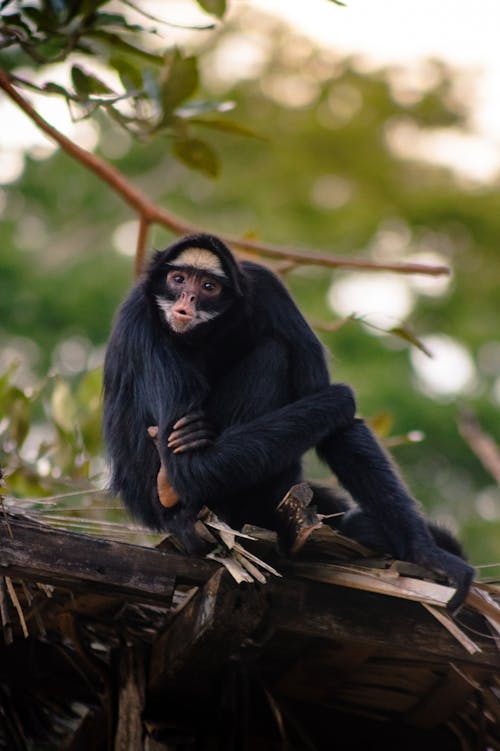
x,y
200,258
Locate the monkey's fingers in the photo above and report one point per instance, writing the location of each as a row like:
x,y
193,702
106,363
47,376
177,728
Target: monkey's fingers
x,y
187,438
201,443
458,571
192,430
187,419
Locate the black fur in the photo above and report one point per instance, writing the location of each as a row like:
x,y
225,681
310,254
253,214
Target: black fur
x,y
259,373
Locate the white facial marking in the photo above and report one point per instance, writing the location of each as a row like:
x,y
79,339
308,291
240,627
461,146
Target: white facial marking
x,y
181,325
200,258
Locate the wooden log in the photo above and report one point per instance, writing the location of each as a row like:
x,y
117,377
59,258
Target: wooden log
x,y
449,694
353,616
200,640
129,728
90,732
40,553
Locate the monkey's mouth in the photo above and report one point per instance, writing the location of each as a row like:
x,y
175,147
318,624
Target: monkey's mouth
x,y
182,321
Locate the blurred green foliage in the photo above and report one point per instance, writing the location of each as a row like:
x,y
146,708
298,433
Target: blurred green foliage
x,y
153,80
324,174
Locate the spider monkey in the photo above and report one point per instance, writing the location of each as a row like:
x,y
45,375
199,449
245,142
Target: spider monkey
x,y
214,388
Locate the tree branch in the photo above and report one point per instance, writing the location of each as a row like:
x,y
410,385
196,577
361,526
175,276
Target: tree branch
x,y
142,237
150,213
482,444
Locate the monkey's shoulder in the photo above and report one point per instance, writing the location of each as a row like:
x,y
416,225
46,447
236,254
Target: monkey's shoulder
x,y
265,289
273,309
260,275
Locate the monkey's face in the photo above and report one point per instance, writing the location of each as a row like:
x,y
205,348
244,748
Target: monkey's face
x,y
191,297
193,285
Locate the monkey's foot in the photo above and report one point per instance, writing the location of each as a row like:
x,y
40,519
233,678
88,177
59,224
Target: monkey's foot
x,y
296,519
166,494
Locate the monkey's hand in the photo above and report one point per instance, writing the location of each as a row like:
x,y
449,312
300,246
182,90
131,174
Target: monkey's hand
x,y
193,431
458,572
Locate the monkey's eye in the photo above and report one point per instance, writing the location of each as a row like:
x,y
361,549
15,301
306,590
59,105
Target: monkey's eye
x,y
176,278
211,287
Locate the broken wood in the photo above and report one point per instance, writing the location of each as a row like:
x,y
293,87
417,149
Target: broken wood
x,y
131,680
296,519
40,553
5,612
313,654
340,614
199,640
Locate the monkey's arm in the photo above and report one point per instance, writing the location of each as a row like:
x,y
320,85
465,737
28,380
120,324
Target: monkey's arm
x,y
365,469
244,455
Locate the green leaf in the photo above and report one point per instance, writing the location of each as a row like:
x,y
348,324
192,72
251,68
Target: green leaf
x,y
89,7
382,423
214,7
86,83
228,126
119,21
80,81
404,333
20,410
130,76
197,155
34,15
116,43
179,80
54,48
89,390
63,406
55,88
110,19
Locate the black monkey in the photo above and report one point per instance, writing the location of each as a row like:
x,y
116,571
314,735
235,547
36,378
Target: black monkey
x,y
212,359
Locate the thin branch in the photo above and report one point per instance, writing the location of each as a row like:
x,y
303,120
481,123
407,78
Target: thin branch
x,y
106,172
140,252
150,213
482,444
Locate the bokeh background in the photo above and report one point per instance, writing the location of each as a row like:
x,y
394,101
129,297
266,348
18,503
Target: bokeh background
x,y
379,137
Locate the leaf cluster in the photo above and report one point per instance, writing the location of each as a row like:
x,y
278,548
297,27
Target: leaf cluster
x,y
153,87
50,433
